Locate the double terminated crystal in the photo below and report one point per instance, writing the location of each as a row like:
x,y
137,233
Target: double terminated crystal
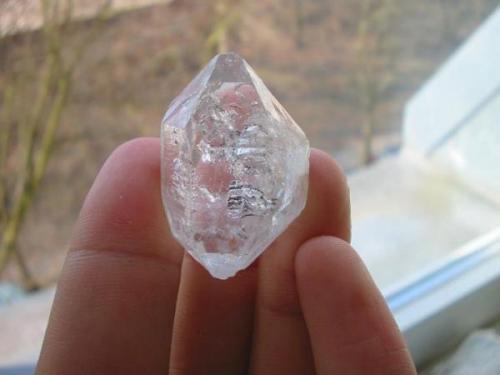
x,y
234,166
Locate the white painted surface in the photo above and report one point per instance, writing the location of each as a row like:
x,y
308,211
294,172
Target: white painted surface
x,y
466,80
436,320
406,217
472,156
22,327
443,189
414,213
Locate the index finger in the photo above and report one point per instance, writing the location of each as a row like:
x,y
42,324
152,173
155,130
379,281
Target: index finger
x,y
115,302
351,328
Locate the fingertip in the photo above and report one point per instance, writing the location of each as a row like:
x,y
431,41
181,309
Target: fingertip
x,y
322,163
136,155
123,270
328,188
123,209
140,148
131,171
323,159
350,325
321,256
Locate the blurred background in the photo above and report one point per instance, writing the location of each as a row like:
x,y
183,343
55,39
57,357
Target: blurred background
x,y
77,78
404,94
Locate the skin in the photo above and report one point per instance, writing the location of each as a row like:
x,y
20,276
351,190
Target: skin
x,y
130,301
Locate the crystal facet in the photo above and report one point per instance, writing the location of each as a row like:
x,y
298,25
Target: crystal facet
x,y
234,166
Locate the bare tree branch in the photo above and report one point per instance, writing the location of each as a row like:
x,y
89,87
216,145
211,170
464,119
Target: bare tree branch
x,y
373,72
226,16
37,131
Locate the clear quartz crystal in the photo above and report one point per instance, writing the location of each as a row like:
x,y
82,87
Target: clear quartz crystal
x,y
234,166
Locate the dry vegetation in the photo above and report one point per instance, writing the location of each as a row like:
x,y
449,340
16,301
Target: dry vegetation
x,y
342,68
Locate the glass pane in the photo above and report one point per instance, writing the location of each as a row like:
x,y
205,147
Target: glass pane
x,y
472,155
406,217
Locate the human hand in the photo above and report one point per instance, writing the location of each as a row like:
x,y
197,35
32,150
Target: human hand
x,y
130,301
